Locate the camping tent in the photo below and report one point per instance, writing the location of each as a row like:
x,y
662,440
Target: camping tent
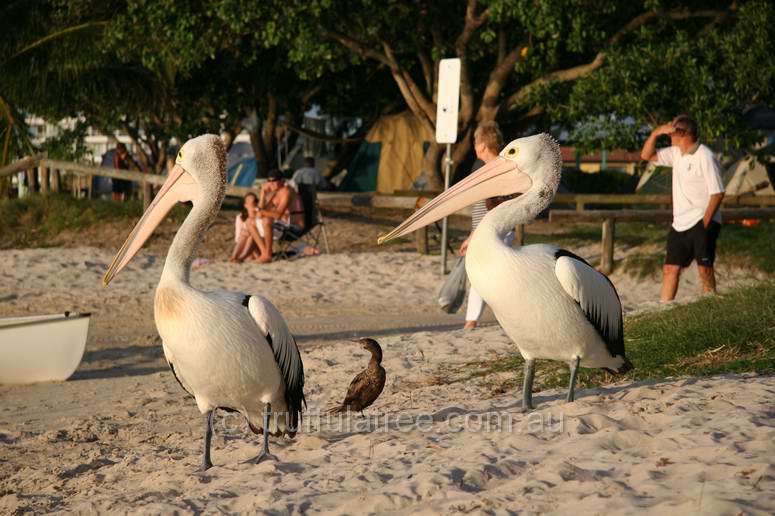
x,y
746,176
243,172
391,157
655,180
750,177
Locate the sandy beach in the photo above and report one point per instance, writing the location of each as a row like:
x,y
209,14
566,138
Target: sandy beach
x,y
121,436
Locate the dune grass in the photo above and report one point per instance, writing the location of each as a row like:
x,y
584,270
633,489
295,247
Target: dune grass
x,y
733,333
34,220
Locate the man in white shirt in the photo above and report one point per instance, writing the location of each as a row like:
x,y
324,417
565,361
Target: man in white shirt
x,y
697,194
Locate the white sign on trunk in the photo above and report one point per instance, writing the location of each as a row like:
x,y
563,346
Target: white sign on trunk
x,y
448,100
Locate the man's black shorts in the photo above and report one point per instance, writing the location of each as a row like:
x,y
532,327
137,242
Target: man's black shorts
x,y
696,243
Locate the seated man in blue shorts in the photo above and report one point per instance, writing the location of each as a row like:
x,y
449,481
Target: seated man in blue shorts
x,y
697,194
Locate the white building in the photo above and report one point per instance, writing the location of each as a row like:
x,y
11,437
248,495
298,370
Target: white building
x,y
96,142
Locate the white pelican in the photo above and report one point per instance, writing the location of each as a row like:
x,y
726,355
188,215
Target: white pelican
x,y
549,301
228,350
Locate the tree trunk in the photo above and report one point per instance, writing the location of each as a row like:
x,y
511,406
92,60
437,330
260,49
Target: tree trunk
x,y
161,159
5,187
432,167
257,143
347,152
461,150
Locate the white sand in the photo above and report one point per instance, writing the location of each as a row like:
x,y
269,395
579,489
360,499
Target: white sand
x,y
123,436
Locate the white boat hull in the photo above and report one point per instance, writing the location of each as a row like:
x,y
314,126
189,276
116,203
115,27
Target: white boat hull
x,y
41,348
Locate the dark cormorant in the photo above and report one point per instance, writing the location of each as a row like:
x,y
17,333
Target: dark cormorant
x,y
367,385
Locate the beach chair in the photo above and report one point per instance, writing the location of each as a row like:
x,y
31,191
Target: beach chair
x,y
314,229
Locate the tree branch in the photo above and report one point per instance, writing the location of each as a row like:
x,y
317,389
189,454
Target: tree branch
x,y
418,103
427,71
356,46
568,74
489,107
473,22
674,14
573,73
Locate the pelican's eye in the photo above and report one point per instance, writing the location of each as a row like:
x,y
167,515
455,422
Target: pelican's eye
x,y
512,152
180,155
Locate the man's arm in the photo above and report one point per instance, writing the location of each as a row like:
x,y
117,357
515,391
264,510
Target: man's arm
x,y
262,197
282,199
713,206
649,151
712,172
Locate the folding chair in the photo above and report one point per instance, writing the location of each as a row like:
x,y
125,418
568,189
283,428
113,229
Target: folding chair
x,y
314,227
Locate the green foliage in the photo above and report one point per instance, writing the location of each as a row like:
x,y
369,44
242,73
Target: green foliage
x,y
69,145
713,68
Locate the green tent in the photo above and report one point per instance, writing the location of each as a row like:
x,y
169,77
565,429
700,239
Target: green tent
x,y
363,169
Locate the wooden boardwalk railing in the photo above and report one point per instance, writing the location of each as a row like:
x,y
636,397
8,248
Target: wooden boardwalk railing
x,y
609,218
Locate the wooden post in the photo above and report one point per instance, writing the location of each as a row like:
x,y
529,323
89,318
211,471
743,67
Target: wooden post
x,y
519,235
89,184
55,180
44,179
32,180
579,206
421,236
147,195
607,251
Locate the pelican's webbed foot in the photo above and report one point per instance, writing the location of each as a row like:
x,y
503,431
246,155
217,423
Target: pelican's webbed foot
x,y
265,455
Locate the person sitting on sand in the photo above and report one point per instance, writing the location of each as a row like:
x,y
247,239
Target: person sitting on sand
x,y
278,206
245,247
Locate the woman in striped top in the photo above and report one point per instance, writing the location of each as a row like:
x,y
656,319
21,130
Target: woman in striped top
x,y
488,141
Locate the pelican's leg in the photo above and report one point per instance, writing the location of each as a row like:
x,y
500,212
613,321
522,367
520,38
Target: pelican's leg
x,y
574,371
206,463
527,385
265,450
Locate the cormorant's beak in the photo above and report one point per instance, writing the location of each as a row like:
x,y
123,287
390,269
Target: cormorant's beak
x,y
499,176
179,187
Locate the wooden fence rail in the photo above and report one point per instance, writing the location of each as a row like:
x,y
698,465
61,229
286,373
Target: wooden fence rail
x,y
581,200
610,217
49,171
400,200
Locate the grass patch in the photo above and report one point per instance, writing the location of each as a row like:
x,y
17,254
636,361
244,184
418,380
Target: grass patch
x,y
34,220
627,233
739,246
643,265
748,247
730,334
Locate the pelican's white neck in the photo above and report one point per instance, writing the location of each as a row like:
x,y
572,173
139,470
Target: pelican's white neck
x,y
177,266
